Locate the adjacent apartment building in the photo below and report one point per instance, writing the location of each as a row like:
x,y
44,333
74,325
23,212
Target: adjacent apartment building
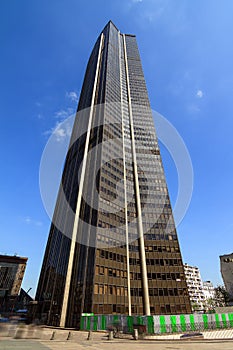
x,y
113,246
195,287
208,290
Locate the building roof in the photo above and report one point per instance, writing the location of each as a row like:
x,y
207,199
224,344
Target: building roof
x,y
13,259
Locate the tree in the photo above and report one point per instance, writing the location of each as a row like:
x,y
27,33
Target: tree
x,y
195,306
221,296
210,304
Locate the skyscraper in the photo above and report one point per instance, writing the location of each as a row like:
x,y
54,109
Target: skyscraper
x,y
112,246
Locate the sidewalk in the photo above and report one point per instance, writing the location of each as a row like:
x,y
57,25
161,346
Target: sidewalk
x,y
39,338
114,345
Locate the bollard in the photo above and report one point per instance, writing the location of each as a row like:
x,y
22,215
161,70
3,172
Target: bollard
x,y
135,334
110,335
89,336
52,336
69,336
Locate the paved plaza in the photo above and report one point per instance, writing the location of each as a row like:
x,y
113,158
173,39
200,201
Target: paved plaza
x,y
42,338
14,344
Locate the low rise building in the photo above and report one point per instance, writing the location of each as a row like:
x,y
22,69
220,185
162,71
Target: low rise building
x,y
12,270
208,290
210,296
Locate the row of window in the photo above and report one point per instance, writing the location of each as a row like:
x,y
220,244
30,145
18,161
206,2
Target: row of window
x,y
133,261
162,236
100,289
110,272
141,187
110,290
161,292
112,256
137,309
158,262
161,249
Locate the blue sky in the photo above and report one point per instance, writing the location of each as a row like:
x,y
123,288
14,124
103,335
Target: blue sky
x,y
187,54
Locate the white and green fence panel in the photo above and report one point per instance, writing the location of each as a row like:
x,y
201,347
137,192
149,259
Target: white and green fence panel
x,y
158,324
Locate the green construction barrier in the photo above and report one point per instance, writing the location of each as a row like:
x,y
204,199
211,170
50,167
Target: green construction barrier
x,y
224,320
205,321
130,323
173,324
116,320
218,325
150,324
103,323
82,323
192,323
159,324
183,323
88,324
163,328
95,325
230,317
139,320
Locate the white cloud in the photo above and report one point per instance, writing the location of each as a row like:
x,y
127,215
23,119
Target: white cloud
x,y
72,95
63,127
60,131
64,113
29,221
199,94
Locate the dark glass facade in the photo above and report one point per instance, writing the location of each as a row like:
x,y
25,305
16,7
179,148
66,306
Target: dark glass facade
x,y
119,252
